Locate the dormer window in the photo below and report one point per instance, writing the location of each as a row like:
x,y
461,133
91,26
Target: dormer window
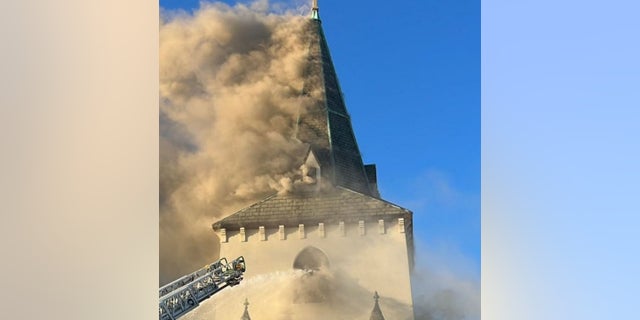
x,y
312,167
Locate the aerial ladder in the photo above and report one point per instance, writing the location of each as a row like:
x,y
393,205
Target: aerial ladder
x,y
185,294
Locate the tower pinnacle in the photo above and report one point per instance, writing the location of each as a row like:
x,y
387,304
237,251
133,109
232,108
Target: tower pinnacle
x,y
245,315
376,313
314,11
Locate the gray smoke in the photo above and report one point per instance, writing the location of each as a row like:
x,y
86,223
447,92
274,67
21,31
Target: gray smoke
x,y
446,285
296,294
230,93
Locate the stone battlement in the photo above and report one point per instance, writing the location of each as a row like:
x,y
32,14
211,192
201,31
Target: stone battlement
x,y
318,231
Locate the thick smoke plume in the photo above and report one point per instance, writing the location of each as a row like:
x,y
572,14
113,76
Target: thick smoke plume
x,y
230,93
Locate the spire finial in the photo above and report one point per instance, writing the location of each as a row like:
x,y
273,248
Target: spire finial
x,y
246,303
376,296
314,10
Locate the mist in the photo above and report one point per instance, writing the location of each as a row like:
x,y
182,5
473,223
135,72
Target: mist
x,y
446,284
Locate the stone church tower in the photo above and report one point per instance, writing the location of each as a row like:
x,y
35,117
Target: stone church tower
x,y
348,240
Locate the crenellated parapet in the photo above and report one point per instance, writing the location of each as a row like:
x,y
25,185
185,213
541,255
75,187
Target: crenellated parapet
x,y
319,230
333,216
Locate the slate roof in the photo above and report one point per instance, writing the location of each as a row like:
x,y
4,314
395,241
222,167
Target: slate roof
x,y
326,125
333,205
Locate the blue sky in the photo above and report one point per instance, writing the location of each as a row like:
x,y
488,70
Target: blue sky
x,y
411,78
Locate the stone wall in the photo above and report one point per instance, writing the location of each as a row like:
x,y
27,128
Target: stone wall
x,y
364,256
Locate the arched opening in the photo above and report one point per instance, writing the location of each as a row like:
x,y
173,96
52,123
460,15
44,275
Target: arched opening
x,y
311,259
315,285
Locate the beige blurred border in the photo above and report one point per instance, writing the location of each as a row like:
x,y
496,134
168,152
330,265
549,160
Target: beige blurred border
x,y
79,163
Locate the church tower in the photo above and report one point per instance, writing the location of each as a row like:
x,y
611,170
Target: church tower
x,y
348,240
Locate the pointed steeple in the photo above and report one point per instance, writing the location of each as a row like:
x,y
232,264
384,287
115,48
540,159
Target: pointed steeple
x,y
245,315
376,313
326,125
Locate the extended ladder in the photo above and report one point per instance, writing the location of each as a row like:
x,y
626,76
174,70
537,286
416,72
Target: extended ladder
x,y
185,294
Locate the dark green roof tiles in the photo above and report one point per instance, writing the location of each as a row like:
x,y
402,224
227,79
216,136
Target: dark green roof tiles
x,y
327,125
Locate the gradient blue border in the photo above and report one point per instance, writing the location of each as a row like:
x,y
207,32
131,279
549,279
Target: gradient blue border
x,y
560,159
